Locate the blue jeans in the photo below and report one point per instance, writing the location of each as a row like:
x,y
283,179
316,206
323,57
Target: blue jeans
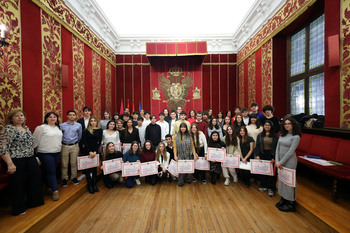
x,y
50,161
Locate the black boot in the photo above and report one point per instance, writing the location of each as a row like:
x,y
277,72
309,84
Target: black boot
x,y
89,184
213,178
94,180
289,206
281,202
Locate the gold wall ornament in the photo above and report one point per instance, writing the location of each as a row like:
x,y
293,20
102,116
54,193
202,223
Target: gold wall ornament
x,y
175,87
196,93
156,94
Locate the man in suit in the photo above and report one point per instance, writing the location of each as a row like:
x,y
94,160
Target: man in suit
x,y
84,121
172,121
179,110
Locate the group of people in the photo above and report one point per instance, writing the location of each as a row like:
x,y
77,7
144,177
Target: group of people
x,y
175,136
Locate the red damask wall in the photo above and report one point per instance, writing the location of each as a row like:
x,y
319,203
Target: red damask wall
x,y
215,76
31,68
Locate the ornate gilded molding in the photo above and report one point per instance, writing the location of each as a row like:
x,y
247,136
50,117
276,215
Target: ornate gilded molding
x,y
266,73
241,85
96,85
251,80
108,83
78,75
291,10
68,19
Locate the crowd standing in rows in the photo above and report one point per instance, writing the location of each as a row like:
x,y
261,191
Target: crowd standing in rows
x,y
175,136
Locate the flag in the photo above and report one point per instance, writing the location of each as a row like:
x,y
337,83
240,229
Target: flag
x,y
128,106
121,112
140,106
133,107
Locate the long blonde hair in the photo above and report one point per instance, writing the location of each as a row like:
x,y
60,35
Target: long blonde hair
x,y
158,153
90,128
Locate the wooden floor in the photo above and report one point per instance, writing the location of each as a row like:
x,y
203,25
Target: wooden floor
x,y
193,208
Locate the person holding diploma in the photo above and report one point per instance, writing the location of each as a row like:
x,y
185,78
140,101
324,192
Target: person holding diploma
x,y
247,149
286,157
184,150
232,143
147,155
48,144
110,180
90,143
132,156
215,167
201,147
17,151
265,149
163,160
110,134
130,133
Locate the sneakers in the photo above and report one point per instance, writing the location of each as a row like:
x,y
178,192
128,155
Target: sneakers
x,y
204,181
64,183
271,193
75,181
261,189
138,182
55,196
194,180
235,179
227,181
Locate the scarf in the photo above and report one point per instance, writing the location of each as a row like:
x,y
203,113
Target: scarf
x,y
184,147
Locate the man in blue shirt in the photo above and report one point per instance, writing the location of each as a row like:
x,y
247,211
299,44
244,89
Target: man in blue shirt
x,y
254,107
72,132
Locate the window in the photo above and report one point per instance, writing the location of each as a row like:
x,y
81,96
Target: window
x,y
306,63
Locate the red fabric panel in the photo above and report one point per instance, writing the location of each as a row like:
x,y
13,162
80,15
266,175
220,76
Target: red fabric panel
x,y
333,51
232,88
67,59
331,75
191,47
137,58
258,85
146,87
181,48
88,77
232,57
120,58
279,76
215,58
137,86
305,143
114,89
171,48
246,86
324,147
206,85
103,86
202,47
161,48
119,86
223,58
128,87
151,48
31,68
343,152
215,88
128,58
144,59
207,58
224,94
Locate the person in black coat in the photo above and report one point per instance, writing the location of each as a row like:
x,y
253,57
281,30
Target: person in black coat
x,y
85,119
154,132
90,144
130,133
215,167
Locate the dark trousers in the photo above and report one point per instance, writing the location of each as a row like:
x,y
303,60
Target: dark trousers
x,y
50,161
129,181
30,167
152,179
200,174
245,175
268,182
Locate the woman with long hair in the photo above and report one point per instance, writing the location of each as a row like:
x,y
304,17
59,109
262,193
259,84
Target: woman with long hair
x,y
48,143
148,154
227,123
116,116
167,117
214,127
106,119
192,116
132,156
220,118
286,157
91,142
163,160
210,114
265,149
184,150
110,180
110,134
201,147
17,153
120,127
238,123
254,128
215,167
247,149
130,133
232,143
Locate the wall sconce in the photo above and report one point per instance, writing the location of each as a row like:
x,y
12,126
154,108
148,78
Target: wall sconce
x,y
2,40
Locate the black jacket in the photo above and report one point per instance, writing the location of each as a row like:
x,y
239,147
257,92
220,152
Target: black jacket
x,y
259,148
154,134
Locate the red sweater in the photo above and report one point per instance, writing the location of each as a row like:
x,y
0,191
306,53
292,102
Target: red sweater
x,y
202,126
147,156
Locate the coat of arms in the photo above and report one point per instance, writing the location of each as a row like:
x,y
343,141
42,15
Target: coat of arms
x,y
175,87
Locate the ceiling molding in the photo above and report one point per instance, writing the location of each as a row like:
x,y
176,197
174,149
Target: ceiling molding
x,y
90,12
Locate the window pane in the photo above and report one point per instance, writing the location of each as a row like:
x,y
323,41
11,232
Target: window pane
x,y
297,98
298,53
316,93
317,42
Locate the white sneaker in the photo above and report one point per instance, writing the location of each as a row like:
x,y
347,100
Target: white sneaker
x,y
261,189
235,179
138,182
227,181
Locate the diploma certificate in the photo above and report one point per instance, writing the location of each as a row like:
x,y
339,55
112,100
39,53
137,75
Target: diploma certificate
x,y
287,176
112,165
202,164
216,154
126,147
130,169
232,161
185,166
263,167
172,168
85,162
148,168
244,166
